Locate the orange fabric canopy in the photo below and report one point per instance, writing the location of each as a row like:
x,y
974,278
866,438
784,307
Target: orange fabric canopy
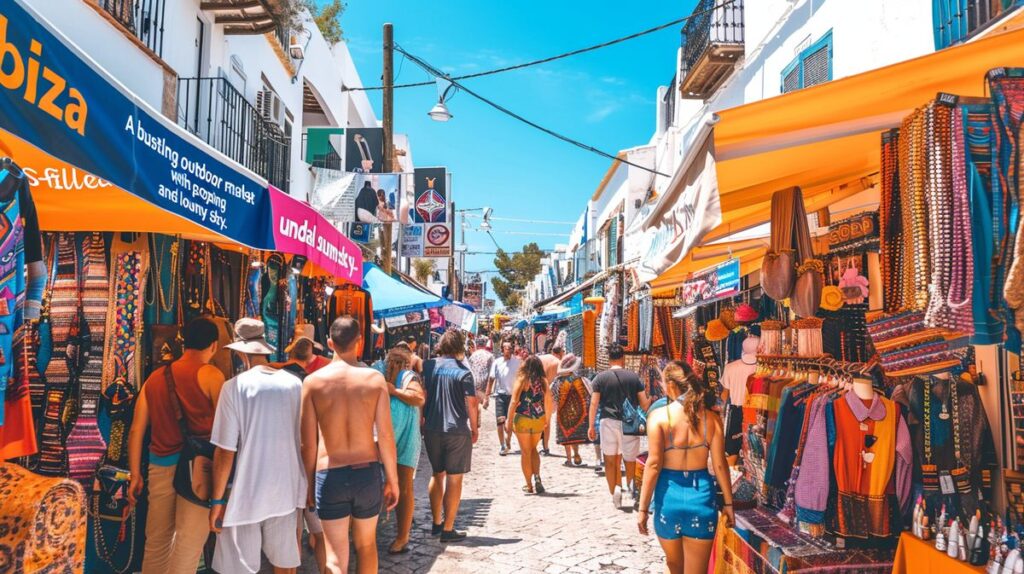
x,y
825,139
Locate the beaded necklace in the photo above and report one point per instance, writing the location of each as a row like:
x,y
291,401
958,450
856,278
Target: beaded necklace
x,y
938,197
961,283
889,222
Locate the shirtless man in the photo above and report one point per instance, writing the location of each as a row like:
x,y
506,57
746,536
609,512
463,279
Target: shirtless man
x,y
341,405
550,362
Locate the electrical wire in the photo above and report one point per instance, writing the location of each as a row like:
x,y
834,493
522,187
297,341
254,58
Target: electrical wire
x,y
546,222
434,71
556,57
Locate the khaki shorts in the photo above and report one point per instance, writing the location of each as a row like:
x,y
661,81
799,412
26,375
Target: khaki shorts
x,y
528,425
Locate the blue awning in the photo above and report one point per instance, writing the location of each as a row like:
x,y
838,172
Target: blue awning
x,y
392,297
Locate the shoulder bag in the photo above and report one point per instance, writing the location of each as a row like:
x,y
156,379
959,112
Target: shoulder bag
x,y
193,478
634,419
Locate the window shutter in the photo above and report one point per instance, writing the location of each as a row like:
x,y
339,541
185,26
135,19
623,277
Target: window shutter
x,y
817,67
791,81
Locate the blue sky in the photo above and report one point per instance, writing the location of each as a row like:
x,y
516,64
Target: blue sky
x,y
605,98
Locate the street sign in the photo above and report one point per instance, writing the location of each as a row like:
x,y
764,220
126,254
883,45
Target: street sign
x,y
437,240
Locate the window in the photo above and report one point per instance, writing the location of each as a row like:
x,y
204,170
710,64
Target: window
x,y
811,67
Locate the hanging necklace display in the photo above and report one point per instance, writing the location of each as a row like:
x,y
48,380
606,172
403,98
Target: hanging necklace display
x,y
85,444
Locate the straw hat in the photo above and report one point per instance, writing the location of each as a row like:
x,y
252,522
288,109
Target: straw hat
x,y
831,298
250,338
569,365
728,318
716,330
304,331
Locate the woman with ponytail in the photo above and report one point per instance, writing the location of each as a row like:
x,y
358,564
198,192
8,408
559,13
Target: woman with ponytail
x,y
681,438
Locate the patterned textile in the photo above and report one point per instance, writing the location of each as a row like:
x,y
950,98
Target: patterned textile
x,y
130,267
571,394
12,298
42,523
275,303
590,338
63,313
85,444
354,302
575,344
253,295
760,543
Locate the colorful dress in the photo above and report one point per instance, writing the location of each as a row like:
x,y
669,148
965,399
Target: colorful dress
x,y
571,394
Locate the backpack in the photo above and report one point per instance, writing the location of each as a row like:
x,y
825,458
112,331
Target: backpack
x,y
634,419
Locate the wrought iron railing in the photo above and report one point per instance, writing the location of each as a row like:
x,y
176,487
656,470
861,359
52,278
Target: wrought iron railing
x,y
711,22
143,18
957,20
213,110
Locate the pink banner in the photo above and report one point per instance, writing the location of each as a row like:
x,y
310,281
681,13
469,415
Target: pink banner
x,y
300,230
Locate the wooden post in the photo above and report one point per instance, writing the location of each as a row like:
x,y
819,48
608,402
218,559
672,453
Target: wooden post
x,y
389,133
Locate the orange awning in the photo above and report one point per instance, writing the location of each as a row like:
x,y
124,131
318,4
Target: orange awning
x,y
825,139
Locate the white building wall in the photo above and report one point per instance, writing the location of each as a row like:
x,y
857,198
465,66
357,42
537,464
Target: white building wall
x,y
194,46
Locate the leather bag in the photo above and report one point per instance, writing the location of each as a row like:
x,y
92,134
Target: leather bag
x,y
193,478
778,269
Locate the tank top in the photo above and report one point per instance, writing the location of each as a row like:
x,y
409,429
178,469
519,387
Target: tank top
x,y
195,405
531,400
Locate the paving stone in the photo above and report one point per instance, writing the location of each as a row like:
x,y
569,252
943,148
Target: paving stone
x,y
572,529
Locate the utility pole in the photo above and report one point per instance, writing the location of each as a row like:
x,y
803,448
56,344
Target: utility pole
x,y
452,286
389,131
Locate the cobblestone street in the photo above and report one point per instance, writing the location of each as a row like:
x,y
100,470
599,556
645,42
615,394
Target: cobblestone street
x,y
571,528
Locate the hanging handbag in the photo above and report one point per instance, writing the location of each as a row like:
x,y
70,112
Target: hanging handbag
x,y
805,300
193,478
778,269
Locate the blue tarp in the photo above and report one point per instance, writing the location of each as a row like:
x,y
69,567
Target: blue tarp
x,y
392,297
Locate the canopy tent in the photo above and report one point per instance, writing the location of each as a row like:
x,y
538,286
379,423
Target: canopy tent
x,y
111,162
391,297
825,139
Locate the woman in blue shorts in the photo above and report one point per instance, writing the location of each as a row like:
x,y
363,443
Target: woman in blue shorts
x,y
681,436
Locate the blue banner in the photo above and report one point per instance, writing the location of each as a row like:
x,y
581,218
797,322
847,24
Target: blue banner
x,y
53,98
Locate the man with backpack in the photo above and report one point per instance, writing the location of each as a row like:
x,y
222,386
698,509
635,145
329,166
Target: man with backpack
x,y
621,399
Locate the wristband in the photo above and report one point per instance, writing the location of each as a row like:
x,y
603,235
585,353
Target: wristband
x,y
217,502
730,504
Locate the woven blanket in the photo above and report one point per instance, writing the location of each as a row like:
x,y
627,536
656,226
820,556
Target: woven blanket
x,y
42,523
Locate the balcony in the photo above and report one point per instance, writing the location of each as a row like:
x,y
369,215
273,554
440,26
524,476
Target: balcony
x,y
958,20
213,110
143,18
248,17
712,43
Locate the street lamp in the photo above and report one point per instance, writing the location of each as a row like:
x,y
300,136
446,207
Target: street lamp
x,y
440,113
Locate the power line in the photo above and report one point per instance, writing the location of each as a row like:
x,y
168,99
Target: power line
x,y
546,222
432,70
557,57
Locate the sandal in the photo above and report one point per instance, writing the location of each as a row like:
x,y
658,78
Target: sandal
x,y
577,460
538,485
396,551
527,489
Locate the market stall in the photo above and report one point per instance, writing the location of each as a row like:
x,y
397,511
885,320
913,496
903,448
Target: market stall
x,y
128,227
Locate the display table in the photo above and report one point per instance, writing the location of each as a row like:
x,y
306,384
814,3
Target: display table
x,y
916,555
760,542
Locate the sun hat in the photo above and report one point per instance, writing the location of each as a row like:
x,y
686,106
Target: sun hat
x,y
832,298
304,331
569,365
728,318
745,314
250,338
716,330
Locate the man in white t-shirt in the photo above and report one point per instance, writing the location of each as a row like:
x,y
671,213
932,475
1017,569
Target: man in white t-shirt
x,y
503,376
257,426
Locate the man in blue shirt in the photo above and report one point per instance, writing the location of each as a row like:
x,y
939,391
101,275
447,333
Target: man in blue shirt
x,y
450,429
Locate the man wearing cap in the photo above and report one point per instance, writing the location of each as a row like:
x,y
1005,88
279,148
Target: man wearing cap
x,y
256,431
355,476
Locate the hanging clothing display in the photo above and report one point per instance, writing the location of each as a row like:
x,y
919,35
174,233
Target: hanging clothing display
x,y
571,395
84,353
354,302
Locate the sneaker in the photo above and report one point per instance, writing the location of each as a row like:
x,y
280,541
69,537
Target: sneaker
x,y
617,497
503,451
453,536
436,529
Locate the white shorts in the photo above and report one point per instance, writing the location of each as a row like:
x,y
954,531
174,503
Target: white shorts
x,y
313,524
614,443
238,547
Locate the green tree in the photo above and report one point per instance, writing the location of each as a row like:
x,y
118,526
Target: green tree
x,y
516,270
328,18
422,269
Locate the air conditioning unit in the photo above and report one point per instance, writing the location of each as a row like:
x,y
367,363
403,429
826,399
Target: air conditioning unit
x,y
270,107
